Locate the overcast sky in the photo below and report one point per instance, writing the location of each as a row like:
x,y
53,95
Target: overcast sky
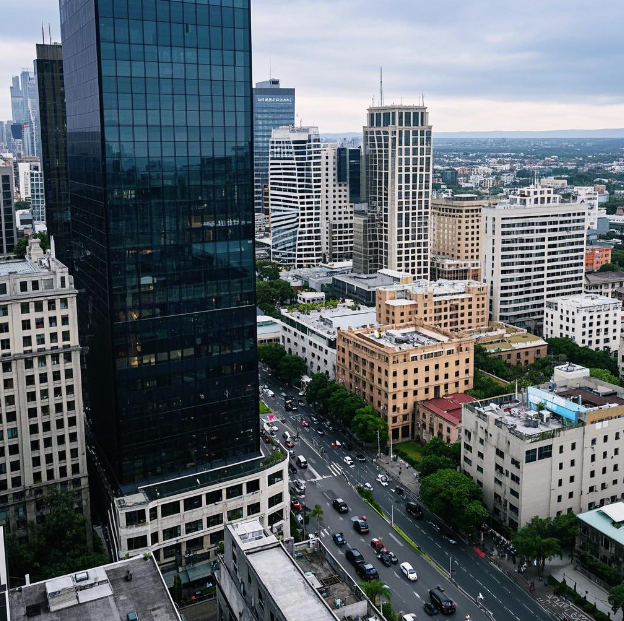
x,y
482,64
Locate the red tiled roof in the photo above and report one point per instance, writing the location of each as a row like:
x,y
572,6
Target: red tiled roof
x,y
449,407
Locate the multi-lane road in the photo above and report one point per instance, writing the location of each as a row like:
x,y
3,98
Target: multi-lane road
x,y
328,477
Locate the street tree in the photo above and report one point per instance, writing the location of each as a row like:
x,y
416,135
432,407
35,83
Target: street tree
x,y
366,423
317,514
447,493
271,354
376,591
291,368
432,463
616,597
535,539
565,528
267,270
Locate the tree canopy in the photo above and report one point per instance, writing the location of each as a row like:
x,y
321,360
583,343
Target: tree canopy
x,y
267,270
536,539
57,546
450,495
291,368
22,244
583,356
271,354
366,423
616,597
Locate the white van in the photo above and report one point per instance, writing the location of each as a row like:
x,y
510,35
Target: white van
x,y
267,429
286,435
269,392
302,462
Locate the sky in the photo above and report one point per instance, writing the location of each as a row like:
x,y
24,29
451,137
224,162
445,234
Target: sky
x,y
481,65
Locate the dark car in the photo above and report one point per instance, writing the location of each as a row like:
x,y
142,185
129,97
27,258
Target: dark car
x,y
384,557
339,539
360,457
354,556
430,609
414,510
366,571
292,469
442,601
320,431
360,525
340,505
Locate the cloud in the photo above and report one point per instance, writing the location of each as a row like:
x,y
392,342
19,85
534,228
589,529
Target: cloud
x,y
484,64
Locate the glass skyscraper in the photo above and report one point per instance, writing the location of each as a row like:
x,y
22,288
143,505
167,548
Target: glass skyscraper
x,y
273,107
159,123
53,132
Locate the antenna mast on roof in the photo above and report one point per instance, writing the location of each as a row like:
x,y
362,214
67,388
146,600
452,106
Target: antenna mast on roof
x,y
381,86
270,70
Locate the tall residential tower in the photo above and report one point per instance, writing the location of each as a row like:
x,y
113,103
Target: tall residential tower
x,y
397,156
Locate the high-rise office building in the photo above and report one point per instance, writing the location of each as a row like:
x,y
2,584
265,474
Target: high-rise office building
x,y
397,157
161,197
336,208
25,110
7,210
53,132
37,192
295,196
456,237
273,107
533,250
349,170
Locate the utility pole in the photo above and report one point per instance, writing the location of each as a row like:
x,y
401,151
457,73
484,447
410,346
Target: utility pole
x,y
378,449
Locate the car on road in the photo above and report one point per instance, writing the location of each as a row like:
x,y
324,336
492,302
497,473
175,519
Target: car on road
x,y
408,571
329,426
367,486
300,519
360,457
391,555
289,444
268,392
339,539
409,617
301,402
367,572
299,487
442,601
349,461
336,444
314,419
295,505
320,431
340,505
383,556
292,469
430,609
354,556
267,439
304,423
414,509
132,616
274,428
301,393
360,525
284,394
383,479
377,544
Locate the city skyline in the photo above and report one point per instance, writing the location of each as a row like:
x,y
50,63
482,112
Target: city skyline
x,y
489,68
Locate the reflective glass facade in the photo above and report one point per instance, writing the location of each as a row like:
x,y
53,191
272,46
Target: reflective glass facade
x,y
273,107
53,124
349,165
159,126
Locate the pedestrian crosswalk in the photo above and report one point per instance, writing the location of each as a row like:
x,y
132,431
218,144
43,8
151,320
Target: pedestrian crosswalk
x,y
334,468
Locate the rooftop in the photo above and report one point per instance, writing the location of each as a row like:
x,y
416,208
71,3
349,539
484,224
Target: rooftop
x,y
327,321
18,266
98,594
604,277
607,520
498,336
439,288
372,281
584,300
449,407
407,338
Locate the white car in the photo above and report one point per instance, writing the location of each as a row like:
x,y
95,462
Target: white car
x,y
409,617
408,571
349,461
368,486
274,428
383,479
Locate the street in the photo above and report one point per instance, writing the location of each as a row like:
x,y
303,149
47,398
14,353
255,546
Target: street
x,y
328,477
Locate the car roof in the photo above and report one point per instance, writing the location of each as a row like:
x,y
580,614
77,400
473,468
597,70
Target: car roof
x,y
407,565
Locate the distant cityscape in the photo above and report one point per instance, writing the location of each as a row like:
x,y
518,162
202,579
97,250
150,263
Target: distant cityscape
x,y
249,367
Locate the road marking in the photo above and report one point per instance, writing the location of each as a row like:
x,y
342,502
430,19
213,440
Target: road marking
x,y
315,473
393,537
397,575
418,596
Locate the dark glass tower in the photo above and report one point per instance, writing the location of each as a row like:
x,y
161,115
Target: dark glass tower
x,y
53,128
273,107
159,123
349,165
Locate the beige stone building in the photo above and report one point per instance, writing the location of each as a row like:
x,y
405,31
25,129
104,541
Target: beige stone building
x,y
446,304
395,367
456,234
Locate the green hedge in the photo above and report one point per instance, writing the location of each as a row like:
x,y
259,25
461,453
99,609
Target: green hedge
x,y
563,590
610,575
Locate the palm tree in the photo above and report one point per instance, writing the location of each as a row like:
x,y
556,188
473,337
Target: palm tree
x,y
376,589
317,514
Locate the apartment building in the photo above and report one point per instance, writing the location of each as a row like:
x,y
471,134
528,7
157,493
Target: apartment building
x,y
336,208
8,229
590,320
312,334
547,450
295,196
533,250
513,345
596,257
42,440
456,236
395,367
441,418
600,534
445,304
604,283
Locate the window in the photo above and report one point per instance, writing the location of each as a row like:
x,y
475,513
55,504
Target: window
x,y
530,456
135,543
170,508
275,477
544,452
171,533
253,486
214,520
235,514
193,527
192,503
234,491
253,509
275,500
